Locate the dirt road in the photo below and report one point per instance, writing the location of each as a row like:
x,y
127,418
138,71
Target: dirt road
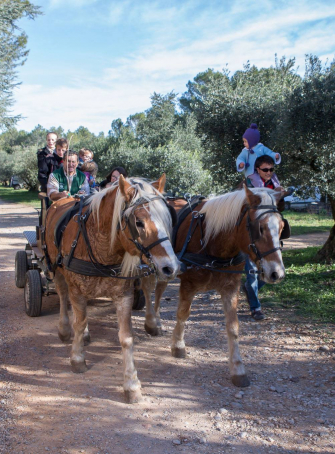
x,y
190,405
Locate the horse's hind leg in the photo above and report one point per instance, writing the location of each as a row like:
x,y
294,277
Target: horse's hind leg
x,y
237,371
186,294
64,328
79,305
152,321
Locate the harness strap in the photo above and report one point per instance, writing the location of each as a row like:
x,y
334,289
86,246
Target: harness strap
x,y
196,220
145,250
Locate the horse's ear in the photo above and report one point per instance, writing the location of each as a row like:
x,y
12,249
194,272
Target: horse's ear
x,y
160,183
125,188
280,193
252,199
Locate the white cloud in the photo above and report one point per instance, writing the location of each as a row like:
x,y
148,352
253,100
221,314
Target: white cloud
x,y
167,57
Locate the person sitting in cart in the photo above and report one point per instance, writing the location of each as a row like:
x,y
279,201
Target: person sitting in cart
x,y
68,180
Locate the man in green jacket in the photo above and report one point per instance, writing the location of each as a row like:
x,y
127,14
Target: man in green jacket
x,y
67,180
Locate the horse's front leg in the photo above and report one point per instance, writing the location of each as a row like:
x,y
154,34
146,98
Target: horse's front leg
x,y
79,305
160,289
152,324
186,294
237,371
131,384
64,327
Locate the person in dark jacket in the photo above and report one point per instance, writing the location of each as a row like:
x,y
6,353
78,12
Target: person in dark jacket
x,y
55,161
42,155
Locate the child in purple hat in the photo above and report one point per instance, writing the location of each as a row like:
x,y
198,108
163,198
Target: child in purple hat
x,y
245,161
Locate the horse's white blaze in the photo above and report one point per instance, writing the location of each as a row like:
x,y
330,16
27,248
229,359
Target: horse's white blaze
x,y
169,260
273,226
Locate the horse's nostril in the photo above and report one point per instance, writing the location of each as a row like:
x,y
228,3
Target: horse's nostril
x,y
274,276
167,270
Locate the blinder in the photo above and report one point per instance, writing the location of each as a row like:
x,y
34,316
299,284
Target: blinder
x,y
286,232
255,230
173,214
132,226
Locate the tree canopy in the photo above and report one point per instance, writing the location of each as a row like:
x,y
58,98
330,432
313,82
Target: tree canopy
x,y
13,52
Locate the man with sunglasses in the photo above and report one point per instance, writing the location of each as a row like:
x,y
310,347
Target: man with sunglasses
x,y
263,177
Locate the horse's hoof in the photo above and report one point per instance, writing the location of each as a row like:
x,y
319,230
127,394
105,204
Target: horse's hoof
x,y
133,397
156,331
178,352
87,338
78,368
64,337
242,381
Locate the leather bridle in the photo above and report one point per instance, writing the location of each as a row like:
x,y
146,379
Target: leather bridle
x,y
130,221
253,228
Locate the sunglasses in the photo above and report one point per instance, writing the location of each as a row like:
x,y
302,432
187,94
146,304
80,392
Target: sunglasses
x,y
266,169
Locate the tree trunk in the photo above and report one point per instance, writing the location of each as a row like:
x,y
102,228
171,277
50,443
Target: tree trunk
x,y
327,253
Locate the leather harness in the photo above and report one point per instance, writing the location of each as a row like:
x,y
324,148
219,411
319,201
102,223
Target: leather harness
x,y
211,263
93,267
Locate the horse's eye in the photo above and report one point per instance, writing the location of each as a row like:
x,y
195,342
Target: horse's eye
x,y
261,229
139,224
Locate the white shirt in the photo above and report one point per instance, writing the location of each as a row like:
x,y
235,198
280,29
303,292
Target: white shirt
x,y
53,185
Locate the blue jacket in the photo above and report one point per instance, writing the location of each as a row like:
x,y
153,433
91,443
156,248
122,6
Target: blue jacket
x,y
246,157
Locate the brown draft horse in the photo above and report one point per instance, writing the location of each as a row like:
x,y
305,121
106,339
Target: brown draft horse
x,y
125,221
245,220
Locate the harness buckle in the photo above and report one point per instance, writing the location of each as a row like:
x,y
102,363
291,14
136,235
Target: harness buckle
x,y
74,217
74,243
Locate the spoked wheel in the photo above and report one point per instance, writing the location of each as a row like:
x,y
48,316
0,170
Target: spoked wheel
x,y
139,299
21,267
33,293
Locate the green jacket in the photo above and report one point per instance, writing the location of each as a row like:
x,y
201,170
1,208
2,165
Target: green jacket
x,y
77,182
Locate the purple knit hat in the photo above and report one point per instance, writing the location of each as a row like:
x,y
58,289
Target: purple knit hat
x,y
252,135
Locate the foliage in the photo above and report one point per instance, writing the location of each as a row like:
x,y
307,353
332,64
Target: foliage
x,y
307,129
183,168
22,163
302,223
156,127
13,52
225,106
308,286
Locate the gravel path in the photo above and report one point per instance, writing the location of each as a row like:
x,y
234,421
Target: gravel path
x,y
190,405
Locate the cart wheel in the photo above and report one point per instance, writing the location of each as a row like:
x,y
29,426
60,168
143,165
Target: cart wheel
x,y
16,187
139,300
21,267
33,293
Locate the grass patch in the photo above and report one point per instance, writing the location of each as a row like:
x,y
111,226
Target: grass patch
x,y
309,286
20,196
308,223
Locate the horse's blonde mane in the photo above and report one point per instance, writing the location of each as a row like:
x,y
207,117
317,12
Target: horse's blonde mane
x,y
223,211
158,210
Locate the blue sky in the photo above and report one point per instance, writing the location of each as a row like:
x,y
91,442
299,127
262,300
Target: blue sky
x,y
92,61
